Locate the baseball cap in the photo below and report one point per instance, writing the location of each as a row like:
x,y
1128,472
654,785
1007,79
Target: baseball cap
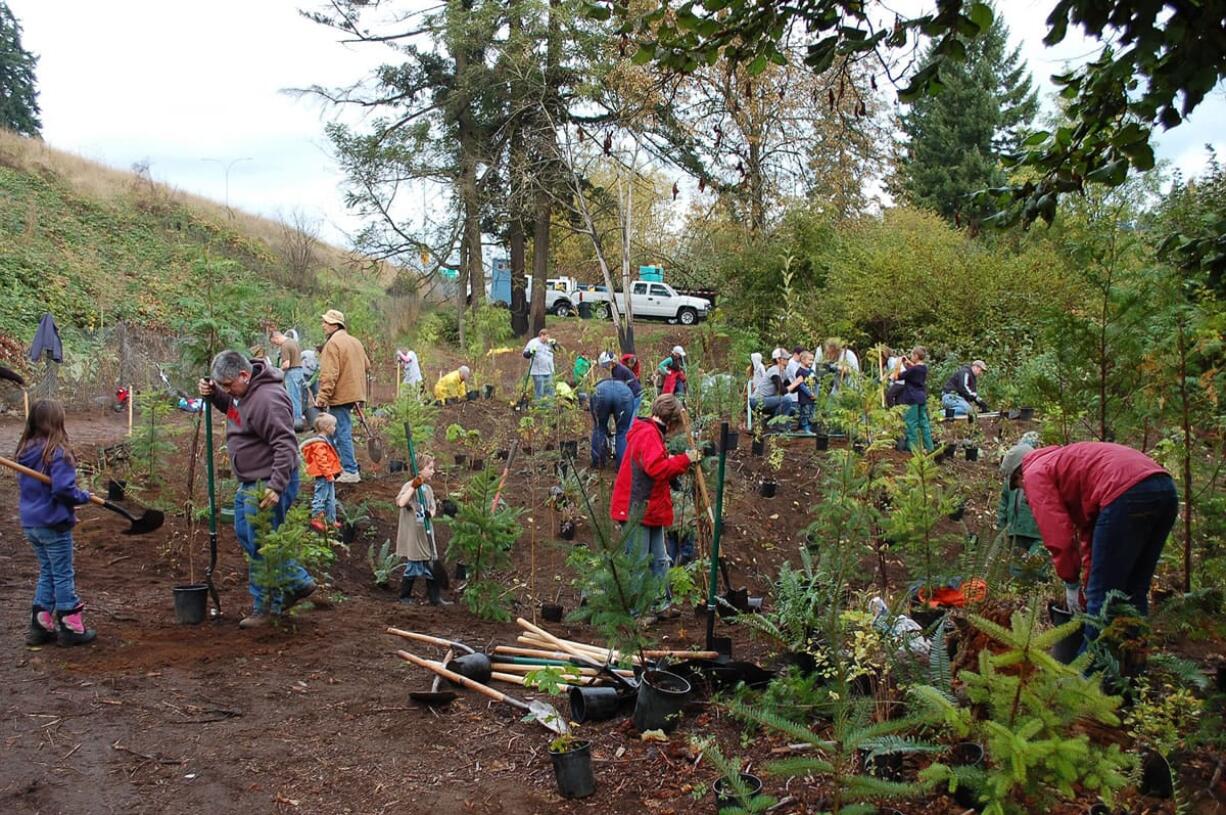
x,y
979,363
678,350
605,358
780,353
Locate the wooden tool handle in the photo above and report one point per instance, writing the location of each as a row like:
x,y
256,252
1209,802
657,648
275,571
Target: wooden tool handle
x,y
43,477
413,635
700,477
452,676
554,641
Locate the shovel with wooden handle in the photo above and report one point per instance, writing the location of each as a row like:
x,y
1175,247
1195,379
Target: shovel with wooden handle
x,y
578,655
374,444
543,713
147,521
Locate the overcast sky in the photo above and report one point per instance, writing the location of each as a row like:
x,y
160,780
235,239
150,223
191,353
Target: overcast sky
x,y
192,87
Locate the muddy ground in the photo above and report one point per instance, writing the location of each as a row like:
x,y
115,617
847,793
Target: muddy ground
x,y
314,716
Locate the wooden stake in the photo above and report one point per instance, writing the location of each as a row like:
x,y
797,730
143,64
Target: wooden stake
x,y
131,401
25,401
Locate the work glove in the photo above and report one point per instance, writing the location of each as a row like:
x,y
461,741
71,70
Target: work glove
x,y
1072,597
529,354
694,455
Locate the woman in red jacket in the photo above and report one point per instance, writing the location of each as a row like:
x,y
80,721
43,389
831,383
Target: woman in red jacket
x,y
641,490
1105,512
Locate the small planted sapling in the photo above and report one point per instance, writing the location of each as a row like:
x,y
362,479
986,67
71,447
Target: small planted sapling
x,y
919,501
482,537
151,436
292,541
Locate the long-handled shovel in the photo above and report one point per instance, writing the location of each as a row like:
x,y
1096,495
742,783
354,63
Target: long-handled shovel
x,y
147,521
374,444
437,567
543,713
208,446
721,644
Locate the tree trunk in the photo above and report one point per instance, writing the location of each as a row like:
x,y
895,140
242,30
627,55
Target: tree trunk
x,y
519,293
540,259
1188,495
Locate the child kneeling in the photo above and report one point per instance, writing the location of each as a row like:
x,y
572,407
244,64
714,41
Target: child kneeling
x,y
416,502
324,465
48,514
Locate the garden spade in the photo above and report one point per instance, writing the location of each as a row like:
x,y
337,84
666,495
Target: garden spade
x,y
374,444
208,446
435,697
146,522
437,567
543,713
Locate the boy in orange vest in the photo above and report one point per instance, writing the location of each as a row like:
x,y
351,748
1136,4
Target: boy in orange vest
x,y
323,463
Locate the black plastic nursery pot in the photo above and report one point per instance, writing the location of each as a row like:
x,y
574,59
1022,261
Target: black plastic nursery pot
x,y
476,464
972,453
1066,649
191,601
502,455
708,449
822,441
473,395
727,796
767,489
461,572
115,490
349,533
488,391
886,766
759,447
1025,414
1156,778
967,754
572,768
460,459
551,612
958,512
858,447
660,698
593,704
734,438
396,465
450,508
566,530
570,449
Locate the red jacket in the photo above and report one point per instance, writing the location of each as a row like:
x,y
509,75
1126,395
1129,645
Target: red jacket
x,y
1068,486
644,475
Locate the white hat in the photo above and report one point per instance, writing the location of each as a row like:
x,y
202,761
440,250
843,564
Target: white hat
x,y
780,353
678,350
605,358
465,372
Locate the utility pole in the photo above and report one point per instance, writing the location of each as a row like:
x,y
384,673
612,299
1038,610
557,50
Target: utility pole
x,y
228,165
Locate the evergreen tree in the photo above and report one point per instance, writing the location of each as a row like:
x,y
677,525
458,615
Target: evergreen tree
x,y
18,94
957,136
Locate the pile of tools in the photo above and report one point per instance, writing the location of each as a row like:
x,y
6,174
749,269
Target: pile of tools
x,y
600,682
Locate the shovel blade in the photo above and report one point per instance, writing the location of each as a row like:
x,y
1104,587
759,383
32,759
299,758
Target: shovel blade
x,y
375,450
548,716
148,521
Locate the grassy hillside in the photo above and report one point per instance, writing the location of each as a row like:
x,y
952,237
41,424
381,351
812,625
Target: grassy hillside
x,y
98,247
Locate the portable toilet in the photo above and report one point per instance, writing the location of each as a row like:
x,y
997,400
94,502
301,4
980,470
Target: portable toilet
x,y
500,281
655,274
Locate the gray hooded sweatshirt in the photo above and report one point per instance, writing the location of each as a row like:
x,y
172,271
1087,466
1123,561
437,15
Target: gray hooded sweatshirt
x,y
260,429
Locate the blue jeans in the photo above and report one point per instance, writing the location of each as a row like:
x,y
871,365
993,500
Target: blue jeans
x,y
638,402
960,406
1128,539
294,383
56,589
323,499
618,406
542,385
649,543
680,547
246,507
342,439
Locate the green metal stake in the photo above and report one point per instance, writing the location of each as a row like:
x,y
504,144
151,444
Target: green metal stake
x,y
724,644
208,444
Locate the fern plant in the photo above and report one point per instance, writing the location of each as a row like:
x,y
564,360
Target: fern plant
x,y
854,740
482,537
1027,710
383,563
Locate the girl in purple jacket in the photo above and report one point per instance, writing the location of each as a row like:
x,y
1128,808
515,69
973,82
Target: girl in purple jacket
x,y
48,513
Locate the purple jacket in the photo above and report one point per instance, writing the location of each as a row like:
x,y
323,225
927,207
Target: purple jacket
x,y
49,504
260,429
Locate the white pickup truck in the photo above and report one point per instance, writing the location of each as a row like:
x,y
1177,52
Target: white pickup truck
x,y
559,297
650,299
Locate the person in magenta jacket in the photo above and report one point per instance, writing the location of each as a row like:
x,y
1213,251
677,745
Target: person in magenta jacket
x,y
1105,511
641,490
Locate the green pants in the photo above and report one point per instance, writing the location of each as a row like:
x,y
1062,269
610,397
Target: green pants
x,y
916,420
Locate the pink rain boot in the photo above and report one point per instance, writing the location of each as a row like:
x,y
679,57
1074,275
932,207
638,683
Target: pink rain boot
x,y
42,627
72,627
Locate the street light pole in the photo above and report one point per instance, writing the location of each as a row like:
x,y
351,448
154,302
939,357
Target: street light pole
x,y
228,165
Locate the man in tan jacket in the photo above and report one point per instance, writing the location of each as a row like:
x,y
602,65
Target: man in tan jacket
x,y
342,386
